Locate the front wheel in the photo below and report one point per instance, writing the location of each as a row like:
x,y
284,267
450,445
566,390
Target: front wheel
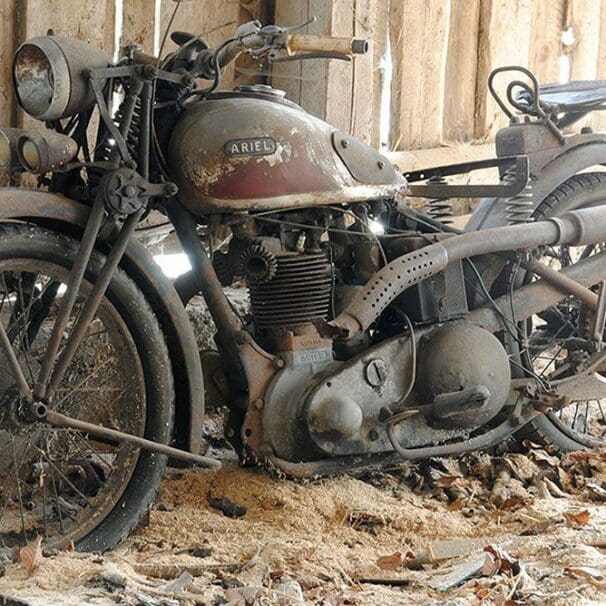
x,y
58,483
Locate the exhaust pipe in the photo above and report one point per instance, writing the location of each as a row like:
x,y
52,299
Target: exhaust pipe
x,y
579,227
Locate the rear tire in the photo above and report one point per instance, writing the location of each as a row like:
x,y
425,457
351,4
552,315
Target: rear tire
x,y
579,191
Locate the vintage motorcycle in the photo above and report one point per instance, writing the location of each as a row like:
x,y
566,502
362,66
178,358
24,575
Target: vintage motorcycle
x,y
377,333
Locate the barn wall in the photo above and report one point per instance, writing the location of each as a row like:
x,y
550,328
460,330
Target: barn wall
x,y
440,53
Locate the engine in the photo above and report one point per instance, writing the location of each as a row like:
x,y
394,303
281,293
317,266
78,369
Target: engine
x,y
332,396
290,280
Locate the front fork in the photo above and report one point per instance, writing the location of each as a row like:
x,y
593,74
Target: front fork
x,y
132,191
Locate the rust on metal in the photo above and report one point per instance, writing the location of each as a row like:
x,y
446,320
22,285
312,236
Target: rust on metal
x,y
303,170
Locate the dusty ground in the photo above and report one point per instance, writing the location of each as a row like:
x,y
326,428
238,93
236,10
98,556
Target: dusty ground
x,y
326,542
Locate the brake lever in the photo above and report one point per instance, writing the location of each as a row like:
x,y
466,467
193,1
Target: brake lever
x,y
274,57
274,37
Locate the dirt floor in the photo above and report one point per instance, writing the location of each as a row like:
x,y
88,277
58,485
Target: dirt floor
x,y
524,527
538,525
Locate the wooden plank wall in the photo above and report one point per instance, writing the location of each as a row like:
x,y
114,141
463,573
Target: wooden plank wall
x,y
346,94
440,53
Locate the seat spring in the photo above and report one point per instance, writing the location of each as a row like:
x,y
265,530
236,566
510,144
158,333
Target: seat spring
x,y
439,209
519,208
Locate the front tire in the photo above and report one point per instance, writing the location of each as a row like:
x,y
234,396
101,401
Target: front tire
x,y
68,486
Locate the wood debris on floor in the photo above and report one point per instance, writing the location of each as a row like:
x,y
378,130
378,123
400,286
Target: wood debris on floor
x,y
521,528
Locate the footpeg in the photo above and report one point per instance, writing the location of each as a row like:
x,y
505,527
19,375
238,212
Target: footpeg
x,y
457,408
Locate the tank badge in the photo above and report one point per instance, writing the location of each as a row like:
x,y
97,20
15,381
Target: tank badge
x,y
257,146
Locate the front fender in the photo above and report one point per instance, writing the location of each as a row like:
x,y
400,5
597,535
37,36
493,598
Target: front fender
x,y
491,212
68,216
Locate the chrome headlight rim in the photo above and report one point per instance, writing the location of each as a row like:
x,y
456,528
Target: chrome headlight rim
x,y
61,79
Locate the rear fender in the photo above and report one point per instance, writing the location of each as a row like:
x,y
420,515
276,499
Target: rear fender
x,y
68,216
491,212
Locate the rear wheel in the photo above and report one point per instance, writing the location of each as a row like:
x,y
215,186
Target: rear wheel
x,y
550,340
59,483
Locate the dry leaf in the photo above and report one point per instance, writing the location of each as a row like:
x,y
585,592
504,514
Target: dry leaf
x,y
456,505
577,518
309,582
596,491
594,576
391,562
491,566
580,455
512,503
30,556
447,481
498,560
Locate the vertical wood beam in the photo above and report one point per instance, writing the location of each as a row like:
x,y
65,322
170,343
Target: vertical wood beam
x,y
92,21
138,23
213,20
418,32
548,20
369,22
504,39
460,78
380,48
288,76
8,35
584,19
247,69
340,74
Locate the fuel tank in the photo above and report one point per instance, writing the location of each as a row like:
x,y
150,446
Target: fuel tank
x,y
251,149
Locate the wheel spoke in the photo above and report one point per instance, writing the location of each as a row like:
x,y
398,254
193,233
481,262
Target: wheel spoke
x,y
18,488
79,385
56,494
63,476
554,341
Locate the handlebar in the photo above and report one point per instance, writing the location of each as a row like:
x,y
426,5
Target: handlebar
x,y
271,41
296,43
293,45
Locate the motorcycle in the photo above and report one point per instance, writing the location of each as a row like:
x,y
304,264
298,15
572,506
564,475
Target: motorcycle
x,y
377,332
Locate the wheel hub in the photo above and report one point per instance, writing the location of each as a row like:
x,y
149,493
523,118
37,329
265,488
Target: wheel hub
x,y
17,412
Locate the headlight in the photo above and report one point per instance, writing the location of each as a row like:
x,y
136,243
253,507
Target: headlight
x,y
6,148
50,76
9,158
42,152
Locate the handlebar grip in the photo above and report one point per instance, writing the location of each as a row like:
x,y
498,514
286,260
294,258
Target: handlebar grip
x,y
306,43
